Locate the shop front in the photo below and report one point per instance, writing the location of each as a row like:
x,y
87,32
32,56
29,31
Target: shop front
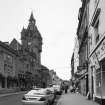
x,y
82,83
97,71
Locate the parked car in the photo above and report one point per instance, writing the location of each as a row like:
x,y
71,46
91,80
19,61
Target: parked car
x,y
57,89
38,97
52,91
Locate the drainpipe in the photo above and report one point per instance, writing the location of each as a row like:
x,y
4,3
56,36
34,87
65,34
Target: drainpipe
x,y
101,85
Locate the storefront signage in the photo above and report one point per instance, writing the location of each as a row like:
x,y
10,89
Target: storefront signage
x,y
101,50
83,71
81,67
95,61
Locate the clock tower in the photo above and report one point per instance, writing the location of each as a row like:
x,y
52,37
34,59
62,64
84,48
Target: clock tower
x,y
31,38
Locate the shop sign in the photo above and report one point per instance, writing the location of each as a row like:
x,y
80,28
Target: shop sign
x,y
95,61
101,50
83,71
81,67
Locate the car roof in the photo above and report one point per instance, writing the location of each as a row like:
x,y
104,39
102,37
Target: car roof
x,y
37,91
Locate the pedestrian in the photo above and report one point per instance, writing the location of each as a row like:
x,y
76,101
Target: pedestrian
x,y
88,95
66,88
71,88
62,87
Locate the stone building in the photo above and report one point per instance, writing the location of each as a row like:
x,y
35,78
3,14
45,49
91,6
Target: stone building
x,y
74,62
45,76
82,34
29,51
8,56
20,63
72,67
31,39
91,35
76,55
96,30
54,79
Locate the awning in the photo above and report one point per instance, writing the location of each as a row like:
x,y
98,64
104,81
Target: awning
x,y
86,73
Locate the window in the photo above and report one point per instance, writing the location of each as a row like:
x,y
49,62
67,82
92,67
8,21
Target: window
x,y
96,17
96,31
8,58
96,2
27,66
95,24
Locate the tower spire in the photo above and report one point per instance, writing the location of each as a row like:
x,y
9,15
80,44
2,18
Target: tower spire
x,y
32,17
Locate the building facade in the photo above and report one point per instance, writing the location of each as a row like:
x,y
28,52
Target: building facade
x,y
82,34
72,67
31,39
75,62
91,36
96,30
20,63
76,55
29,51
8,57
55,80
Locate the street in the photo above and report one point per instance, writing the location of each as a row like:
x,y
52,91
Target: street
x,y
64,99
75,99
14,99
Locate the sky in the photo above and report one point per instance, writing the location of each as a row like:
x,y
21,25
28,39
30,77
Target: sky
x,y
57,21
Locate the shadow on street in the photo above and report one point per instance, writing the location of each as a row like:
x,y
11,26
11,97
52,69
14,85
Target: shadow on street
x,y
56,100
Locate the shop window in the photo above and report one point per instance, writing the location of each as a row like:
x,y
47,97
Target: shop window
x,y
98,82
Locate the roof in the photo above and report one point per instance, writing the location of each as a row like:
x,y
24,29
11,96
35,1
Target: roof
x,y
7,47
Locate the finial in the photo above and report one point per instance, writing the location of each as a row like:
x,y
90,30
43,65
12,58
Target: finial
x,y
32,17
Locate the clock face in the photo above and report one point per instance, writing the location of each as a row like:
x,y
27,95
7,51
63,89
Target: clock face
x,y
29,43
33,22
31,27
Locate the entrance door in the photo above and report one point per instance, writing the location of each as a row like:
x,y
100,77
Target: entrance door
x,y
92,86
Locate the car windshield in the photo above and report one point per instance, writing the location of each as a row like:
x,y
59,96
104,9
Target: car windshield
x,y
36,88
56,86
37,91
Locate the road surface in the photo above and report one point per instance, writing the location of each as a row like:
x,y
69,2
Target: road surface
x,y
14,99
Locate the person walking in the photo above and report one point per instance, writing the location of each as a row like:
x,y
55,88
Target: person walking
x,y
66,88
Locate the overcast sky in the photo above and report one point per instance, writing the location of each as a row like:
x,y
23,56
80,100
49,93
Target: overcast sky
x,y
57,21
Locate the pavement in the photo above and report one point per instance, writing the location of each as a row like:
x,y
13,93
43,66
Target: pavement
x,y
8,94
74,99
